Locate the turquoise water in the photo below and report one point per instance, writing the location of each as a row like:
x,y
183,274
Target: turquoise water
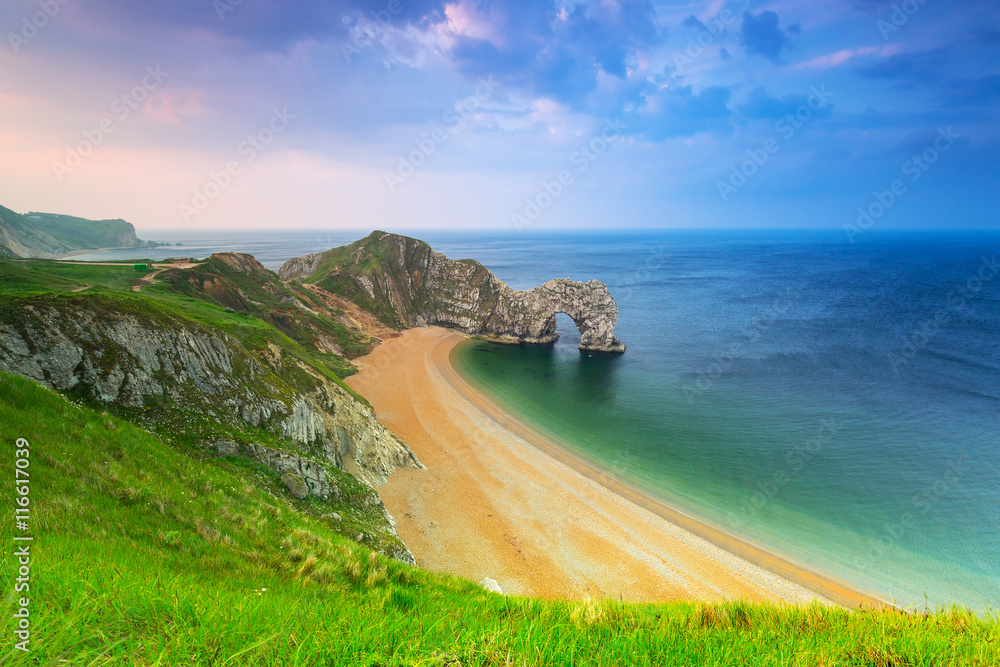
x,y
759,392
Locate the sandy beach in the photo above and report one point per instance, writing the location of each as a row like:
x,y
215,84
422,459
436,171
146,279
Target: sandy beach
x,y
500,500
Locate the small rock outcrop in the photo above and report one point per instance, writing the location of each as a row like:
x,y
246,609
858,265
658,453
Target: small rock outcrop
x,y
302,477
491,585
295,485
405,283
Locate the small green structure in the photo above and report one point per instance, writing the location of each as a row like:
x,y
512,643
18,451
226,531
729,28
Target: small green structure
x,y
141,267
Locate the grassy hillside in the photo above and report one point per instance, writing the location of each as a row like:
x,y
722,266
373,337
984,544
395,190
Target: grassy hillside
x,y
254,307
83,233
386,275
21,238
385,264
43,234
239,283
147,554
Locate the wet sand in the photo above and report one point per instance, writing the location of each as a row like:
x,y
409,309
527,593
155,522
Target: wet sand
x,y
500,500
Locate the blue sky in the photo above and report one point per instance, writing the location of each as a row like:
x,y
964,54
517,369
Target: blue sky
x,y
416,114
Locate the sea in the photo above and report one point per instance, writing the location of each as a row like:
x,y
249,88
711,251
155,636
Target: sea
x,y
836,401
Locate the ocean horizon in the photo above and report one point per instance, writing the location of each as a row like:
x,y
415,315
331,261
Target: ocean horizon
x,y
834,402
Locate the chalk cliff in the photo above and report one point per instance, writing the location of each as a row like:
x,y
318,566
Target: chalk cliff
x,y
405,283
185,377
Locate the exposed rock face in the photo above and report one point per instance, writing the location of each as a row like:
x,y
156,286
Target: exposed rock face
x,y
531,315
24,239
305,477
46,234
295,485
173,369
298,268
405,283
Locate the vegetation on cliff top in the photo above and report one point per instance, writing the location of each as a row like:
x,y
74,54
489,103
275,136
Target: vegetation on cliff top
x,y
393,267
253,305
147,554
83,233
39,234
56,286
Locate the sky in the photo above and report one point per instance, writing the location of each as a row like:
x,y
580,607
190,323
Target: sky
x,y
496,114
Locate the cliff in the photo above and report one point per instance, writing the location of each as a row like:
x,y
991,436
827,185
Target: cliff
x,y
405,283
181,378
240,283
47,234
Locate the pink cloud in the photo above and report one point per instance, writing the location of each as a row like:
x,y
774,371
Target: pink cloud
x,y
840,57
173,108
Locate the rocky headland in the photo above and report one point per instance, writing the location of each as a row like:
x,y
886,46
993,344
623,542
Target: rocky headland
x,y
49,234
405,283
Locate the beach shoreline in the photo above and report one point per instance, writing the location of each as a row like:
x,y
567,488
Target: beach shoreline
x,y
498,495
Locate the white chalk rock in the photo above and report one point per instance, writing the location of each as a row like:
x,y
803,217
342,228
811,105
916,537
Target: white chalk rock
x,y
491,585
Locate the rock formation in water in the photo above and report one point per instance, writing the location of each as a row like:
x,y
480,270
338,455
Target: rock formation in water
x,y
405,283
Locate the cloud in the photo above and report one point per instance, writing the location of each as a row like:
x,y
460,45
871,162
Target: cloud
x,y
761,35
693,22
173,107
918,67
558,58
677,111
840,57
258,26
981,91
760,105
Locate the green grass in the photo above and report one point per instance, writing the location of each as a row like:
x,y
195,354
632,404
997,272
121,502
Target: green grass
x,y
36,277
149,554
111,278
27,277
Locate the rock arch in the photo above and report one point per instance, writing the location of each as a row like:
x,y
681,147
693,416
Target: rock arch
x,y
530,316
590,306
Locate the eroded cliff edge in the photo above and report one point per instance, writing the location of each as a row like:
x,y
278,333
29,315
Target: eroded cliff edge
x,y
167,368
405,283
191,383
